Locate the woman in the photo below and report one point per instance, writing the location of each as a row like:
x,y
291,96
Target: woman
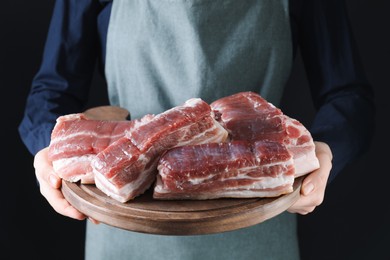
x,y
156,54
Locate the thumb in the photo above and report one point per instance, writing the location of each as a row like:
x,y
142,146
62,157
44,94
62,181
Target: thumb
x,y
318,178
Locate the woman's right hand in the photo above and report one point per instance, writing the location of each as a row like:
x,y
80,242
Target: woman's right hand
x,y
50,186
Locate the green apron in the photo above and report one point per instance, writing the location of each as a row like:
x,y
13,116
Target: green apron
x,y
161,53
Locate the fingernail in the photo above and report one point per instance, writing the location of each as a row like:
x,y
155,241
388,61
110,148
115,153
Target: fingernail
x,y
53,180
308,188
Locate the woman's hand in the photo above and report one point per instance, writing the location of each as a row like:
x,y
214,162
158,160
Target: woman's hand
x,y
314,184
50,185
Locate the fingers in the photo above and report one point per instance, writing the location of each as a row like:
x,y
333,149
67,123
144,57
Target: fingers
x,y
56,199
314,185
94,221
312,194
54,181
50,184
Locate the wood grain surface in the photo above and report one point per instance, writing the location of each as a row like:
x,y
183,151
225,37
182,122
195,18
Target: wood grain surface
x,y
107,113
176,217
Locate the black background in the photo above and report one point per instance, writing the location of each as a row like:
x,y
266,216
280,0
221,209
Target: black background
x,y
352,223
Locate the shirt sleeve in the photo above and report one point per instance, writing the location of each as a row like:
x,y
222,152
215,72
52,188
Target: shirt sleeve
x,y
341,93
61,85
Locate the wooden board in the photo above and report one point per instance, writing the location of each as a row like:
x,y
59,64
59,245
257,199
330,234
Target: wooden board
x,y
107,113
185,217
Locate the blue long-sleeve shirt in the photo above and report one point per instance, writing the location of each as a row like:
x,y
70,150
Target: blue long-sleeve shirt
x,y
343,98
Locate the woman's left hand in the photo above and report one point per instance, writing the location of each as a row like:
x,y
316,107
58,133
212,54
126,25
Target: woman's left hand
x,y
314,185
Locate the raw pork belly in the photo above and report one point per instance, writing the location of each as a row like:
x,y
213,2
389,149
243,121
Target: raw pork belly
x,y
128,167
232,169
75,141
248,116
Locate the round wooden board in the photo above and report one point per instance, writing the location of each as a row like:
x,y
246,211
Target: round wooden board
x,y
176,217
107,113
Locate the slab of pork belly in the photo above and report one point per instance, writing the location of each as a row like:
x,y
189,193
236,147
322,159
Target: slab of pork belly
x,y
248,116
236,169
128,167
75,141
